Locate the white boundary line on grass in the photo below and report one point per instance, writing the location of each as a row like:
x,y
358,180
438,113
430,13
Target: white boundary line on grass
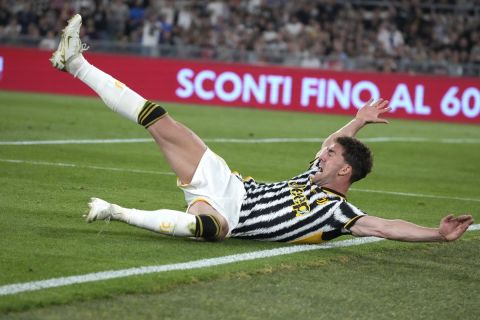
x,y
72,165
418,195
234,140
197,264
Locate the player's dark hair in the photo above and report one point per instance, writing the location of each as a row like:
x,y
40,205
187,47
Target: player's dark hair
x,y
357,155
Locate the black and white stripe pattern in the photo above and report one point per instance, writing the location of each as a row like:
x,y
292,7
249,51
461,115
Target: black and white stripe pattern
x,y
270,211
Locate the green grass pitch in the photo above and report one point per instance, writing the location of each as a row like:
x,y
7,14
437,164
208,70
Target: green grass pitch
x,y
45,189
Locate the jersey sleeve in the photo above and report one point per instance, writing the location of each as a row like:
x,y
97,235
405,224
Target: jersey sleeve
x,y
350,213
342,219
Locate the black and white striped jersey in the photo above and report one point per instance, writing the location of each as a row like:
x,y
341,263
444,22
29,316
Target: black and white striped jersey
x,y
295,211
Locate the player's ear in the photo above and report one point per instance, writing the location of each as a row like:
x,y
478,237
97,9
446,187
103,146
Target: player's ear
x,y
345,170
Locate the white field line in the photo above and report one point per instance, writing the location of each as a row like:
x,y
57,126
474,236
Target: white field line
x,y
73,141
15,288
418,195
72,165
233,140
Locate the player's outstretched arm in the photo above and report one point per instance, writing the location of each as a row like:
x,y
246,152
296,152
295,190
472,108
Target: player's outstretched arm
x,y
371,112
450,229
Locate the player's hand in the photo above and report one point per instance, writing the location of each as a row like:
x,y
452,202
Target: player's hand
x,y
452,228
371,111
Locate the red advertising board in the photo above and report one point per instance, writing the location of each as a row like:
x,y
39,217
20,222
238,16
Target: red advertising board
x,y
438,98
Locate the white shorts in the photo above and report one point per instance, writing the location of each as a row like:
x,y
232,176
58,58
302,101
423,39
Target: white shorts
x,y
214,183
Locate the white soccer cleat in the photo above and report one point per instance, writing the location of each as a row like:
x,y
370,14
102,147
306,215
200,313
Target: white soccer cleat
x,y
70,45
99,210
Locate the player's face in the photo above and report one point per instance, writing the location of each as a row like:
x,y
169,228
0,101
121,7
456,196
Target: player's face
x,y
330,165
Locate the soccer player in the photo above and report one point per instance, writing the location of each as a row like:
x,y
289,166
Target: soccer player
x,y
308,208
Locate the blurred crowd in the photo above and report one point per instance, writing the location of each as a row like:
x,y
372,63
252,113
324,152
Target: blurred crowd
x,y
440,37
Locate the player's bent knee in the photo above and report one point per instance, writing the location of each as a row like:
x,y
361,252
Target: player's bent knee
x,y
209,228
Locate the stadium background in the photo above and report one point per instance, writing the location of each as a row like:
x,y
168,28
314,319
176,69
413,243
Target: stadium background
x,y
426,55
264,54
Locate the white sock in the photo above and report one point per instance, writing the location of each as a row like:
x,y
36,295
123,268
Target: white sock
x,y
115,94
170,222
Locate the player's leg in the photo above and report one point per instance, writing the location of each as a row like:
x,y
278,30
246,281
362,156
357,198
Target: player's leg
x,y
168,222
183,149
